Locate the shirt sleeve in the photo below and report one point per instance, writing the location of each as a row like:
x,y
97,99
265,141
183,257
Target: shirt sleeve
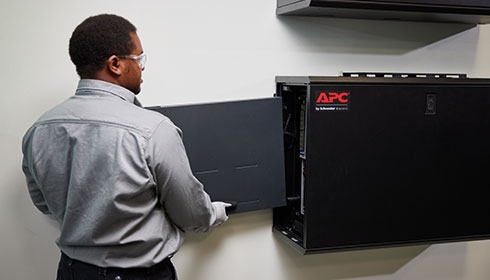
x,y
180,192
33,187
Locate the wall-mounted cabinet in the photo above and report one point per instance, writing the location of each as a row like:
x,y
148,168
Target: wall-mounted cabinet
x,y
384,161
455,11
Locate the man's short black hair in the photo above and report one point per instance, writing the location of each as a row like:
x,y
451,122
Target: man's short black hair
x,y
97,38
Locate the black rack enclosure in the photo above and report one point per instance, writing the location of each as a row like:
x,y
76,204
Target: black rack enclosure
x,y
452,11
377,161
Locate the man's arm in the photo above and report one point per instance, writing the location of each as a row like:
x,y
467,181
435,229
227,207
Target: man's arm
x,y
35,192
180,192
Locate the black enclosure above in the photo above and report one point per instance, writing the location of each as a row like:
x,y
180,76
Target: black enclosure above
x,y
384,160
454,11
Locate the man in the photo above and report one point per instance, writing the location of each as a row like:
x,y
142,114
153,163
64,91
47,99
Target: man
x,y
114,175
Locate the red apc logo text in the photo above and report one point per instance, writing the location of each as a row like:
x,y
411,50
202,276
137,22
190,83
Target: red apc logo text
x,y
332,97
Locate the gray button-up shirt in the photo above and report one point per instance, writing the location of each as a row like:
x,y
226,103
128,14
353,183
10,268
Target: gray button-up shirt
x,y
115,177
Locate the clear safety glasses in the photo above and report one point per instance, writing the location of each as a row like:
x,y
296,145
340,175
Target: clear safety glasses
x,y
140,59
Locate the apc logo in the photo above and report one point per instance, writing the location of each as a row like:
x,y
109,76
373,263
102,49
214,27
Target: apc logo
x,y
332,101
332,98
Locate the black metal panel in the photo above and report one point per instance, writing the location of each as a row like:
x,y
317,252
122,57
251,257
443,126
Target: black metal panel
x,y
235,149
389,161
459,11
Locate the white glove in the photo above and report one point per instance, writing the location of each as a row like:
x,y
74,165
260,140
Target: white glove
x,y
220,210
219,216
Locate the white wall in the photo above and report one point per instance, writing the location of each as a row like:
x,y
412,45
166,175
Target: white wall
x,y
211,51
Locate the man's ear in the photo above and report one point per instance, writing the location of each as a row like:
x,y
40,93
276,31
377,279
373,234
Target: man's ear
x,y
114,65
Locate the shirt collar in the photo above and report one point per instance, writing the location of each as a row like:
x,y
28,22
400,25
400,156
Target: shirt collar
x,y
99,87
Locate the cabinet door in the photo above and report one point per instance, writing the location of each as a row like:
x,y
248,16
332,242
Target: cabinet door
x,y
235,149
